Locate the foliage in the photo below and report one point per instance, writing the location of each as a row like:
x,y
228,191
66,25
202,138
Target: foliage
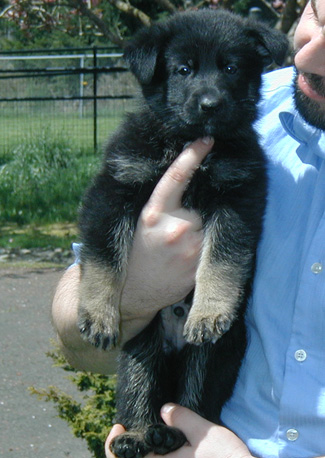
x,y
52,24
90,419
42,180
89,22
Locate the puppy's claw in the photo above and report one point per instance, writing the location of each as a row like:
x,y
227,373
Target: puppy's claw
x,y
164,439
207,329
106,343
98,334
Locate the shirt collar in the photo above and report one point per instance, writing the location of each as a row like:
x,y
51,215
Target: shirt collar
x,y
311,139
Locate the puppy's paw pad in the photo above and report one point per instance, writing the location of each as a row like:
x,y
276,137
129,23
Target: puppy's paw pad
x,y
163,439
207,329
129,445
98,333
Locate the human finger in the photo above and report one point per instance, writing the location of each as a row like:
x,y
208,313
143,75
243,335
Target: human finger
x,y
202,435
167,195
193,425
115,431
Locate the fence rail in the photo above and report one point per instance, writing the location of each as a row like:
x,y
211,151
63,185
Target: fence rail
x,y
88,84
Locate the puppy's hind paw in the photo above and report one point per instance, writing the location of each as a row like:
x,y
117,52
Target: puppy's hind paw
x,y
100,334
129,445
160,439
164,439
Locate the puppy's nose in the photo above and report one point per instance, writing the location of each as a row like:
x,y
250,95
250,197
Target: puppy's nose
x,y
209,104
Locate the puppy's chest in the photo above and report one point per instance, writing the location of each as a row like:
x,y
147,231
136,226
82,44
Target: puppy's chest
x,y
217,171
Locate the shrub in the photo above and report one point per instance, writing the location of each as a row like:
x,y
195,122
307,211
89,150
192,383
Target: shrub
x,y
43,181
93,418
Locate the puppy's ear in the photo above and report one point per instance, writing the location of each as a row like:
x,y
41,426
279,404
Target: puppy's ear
x,y
272,45
142,53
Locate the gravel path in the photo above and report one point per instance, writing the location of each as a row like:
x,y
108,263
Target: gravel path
x,y
29,428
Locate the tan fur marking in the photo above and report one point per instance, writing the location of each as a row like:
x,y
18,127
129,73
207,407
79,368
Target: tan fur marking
x,y
217,295
100,294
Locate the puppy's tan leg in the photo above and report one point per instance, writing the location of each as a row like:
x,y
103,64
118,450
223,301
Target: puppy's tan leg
x,y
98,314
218,293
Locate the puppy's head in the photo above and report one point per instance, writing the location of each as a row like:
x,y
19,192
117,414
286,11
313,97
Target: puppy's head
x,y
200,72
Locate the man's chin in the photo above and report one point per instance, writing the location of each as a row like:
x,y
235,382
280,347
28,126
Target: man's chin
x,y
313,111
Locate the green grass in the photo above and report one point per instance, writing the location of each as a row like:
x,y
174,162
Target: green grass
x,y
17,129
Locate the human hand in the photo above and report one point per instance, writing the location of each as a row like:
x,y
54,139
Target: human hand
x,y
167,242
205,439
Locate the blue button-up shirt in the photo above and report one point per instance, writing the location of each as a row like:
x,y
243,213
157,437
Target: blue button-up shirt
x,y
278,406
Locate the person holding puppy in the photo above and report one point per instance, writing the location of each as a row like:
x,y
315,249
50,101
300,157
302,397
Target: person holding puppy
x,y
278,405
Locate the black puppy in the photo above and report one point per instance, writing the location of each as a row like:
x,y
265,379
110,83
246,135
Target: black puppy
x,y
200,74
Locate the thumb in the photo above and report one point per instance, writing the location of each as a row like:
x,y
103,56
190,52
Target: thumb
x,y
115,431
204,435
189,422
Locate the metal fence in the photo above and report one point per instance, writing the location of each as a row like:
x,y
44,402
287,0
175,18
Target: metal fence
x,y
78,95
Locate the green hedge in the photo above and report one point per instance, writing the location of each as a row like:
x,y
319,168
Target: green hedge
x,y
90,419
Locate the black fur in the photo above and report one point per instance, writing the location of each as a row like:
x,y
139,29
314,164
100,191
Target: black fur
x,y
200,377
200,74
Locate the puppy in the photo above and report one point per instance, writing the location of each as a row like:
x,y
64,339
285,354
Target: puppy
x,y
200,74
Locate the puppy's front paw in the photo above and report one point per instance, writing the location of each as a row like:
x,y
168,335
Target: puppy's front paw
x,y
102,333
129,445
163,439
198,330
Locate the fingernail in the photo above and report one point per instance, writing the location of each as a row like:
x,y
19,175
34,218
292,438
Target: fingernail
x,y
167,408
207,140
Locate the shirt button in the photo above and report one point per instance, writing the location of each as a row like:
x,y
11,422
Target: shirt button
x,y
300,355
317,268
292,434
179,311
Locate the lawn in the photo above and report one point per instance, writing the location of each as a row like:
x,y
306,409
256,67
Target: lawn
x,y
15,130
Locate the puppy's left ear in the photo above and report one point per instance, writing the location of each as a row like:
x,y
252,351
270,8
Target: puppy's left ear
x,y
272,45
143,52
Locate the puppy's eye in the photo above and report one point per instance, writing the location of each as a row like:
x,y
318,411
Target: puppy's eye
x,y
184,70
230,69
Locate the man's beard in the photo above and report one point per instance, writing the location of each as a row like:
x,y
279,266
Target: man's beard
x,y
310,109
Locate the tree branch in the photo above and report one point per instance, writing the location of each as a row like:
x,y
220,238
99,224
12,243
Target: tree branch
x,y
5,11
167,5
100,24
290,15
127,8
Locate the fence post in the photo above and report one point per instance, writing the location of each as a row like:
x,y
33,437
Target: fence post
x,y
95,95
81,86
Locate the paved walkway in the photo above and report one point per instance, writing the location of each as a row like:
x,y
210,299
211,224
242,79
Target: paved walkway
x,y
29,428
